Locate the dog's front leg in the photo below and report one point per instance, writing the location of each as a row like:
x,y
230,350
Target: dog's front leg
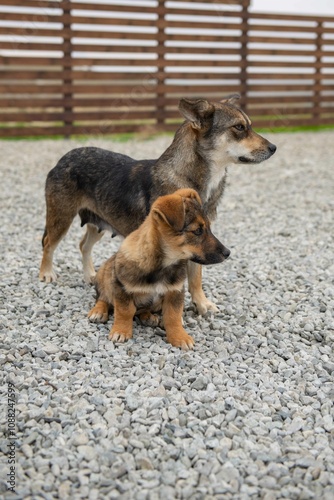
x,y
100,312
172,309
124,311
202,304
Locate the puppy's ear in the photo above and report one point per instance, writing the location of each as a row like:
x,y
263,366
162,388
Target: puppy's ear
x,y
171,210
196,111
231,99
190,194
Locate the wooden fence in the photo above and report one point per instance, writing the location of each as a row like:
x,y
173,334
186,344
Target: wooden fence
x,y
82,67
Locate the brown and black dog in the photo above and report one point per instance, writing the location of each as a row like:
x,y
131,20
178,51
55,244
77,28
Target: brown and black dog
x,y
148,272
114,192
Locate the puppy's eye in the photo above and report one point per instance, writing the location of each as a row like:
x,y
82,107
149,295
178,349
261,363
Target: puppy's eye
x,y
240,127
198,231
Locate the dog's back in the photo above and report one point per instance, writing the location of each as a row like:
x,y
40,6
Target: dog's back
x,y
94,179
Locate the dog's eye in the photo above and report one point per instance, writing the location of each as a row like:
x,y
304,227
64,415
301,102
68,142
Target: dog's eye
x,y
239,127
198,231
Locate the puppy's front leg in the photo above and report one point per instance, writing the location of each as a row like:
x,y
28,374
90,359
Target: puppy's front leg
x,y
124,310
195,288
99,313
172,309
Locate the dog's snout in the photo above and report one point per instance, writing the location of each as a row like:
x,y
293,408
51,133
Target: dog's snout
x,y
272,148
226,252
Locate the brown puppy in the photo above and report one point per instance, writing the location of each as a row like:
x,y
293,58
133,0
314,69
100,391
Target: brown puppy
x,y
114,192
148,272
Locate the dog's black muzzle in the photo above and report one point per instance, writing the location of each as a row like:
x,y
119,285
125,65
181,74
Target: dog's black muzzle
x,y
219,254
259,156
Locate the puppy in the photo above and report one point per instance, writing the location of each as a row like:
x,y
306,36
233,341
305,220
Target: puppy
x,y
148,272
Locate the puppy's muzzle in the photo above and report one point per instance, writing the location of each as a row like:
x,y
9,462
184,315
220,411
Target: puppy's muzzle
x,y
272,148
216,255
221,253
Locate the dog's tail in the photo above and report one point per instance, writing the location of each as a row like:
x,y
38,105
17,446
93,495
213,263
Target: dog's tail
x,y
44,236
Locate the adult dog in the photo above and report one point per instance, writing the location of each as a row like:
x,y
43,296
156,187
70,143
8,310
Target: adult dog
x,y
112,191
148,272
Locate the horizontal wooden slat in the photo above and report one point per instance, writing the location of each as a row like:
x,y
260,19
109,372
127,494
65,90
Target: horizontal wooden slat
x,y
101,35
21,74
201,25
80,102
278,64
30,131
33,3
285,87
291,122
283,52
285,28
97,7
79,115
32,17
201,89
190,11
267,40
13,45
25,88
32,31
285,100
110,21
142,49
280,76
289,17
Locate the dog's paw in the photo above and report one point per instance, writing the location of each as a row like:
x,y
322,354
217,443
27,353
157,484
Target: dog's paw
x,y
89,278
185,341
47,276
204,306
116,336
99,313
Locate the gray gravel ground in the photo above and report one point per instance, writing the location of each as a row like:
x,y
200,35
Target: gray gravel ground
x,y
247,414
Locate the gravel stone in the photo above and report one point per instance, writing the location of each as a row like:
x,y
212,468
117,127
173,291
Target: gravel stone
x,y
247,414
80,438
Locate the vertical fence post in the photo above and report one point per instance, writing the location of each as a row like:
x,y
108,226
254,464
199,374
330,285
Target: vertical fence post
x,y
67,68
243,53
161,37
317,76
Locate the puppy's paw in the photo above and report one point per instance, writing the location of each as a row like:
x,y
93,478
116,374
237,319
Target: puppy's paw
x,y
116,336
183,340
149,319
99,313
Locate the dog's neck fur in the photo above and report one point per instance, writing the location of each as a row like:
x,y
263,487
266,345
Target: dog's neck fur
x,y
187,151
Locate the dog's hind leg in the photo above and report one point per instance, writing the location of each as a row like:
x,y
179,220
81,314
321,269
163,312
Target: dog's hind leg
x,y
89,239
202,304
55,229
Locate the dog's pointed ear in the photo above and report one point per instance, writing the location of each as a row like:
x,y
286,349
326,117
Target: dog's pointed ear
x,y
231,99
189,194
196,111
171,208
